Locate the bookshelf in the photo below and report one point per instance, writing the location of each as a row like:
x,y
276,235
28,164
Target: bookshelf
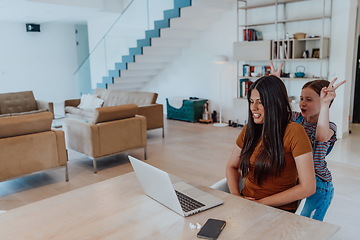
x,y
293,49
278,21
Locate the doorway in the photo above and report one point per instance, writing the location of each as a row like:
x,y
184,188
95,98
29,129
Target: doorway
x,y
356,109
82,74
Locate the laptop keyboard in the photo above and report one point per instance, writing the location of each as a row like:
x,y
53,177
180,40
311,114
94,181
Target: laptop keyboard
x,y
187,203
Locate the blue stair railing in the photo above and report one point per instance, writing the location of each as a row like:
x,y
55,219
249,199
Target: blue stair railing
x,y
141,43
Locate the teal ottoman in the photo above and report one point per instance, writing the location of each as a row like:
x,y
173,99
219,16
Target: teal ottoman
x,y
190,111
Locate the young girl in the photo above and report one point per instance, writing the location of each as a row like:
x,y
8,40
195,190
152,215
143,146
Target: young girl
x,y
272,153
315,101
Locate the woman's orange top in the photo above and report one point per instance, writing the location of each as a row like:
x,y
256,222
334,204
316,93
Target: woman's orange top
x,y
296,143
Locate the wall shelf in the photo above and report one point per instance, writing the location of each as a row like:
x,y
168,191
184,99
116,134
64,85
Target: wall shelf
x,y
293,49
299,60
270,4
286,21
286,16
285,78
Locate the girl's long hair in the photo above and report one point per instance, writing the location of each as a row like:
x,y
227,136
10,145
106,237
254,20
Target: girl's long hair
x,y
270,161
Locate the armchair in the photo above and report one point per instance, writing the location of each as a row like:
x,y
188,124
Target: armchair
x,y
28,145
16,103
112,130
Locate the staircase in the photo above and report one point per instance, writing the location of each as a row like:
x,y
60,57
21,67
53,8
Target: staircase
x,y
180,25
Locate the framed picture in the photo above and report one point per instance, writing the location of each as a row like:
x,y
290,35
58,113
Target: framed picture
x,y
315,53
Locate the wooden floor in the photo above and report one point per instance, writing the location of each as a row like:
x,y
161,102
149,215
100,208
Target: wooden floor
x,y
196,152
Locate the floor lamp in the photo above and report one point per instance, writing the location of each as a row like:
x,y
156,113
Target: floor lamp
x,y
220,59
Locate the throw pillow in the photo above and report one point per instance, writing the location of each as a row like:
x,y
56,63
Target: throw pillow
x,y
89,101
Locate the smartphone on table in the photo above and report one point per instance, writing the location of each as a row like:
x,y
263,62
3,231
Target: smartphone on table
x,y
211,229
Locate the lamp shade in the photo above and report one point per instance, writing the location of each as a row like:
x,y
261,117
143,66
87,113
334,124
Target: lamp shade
x,y
219,59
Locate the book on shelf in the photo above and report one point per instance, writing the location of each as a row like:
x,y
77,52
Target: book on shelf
x,y
244,84
246,87
289,51
252,69
246,70
281,52
250,34
275,56
268,70
286,51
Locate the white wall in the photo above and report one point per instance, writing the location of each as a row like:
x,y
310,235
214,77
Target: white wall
x,y
342,53
43,62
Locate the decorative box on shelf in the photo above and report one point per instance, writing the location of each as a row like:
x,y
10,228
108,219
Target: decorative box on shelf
x,y
252,51
191,110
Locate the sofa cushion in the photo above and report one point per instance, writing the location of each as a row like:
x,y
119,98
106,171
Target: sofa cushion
x,y
30,112
142,98
120,97
89,113
89,101
17,102
23,113
78,117
72,110
111,113
102,93
25,124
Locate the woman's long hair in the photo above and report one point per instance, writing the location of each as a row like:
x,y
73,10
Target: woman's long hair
x,y
270,161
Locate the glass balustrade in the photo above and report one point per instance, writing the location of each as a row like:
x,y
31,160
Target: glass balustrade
x,y
137,17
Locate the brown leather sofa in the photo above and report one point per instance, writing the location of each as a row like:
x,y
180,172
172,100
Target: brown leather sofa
x,y
146,102
111,131
16,103
29,145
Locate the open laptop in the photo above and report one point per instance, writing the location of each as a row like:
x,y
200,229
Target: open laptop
x,y
157,185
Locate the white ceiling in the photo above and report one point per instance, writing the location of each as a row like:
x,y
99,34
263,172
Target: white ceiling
x,y
65,11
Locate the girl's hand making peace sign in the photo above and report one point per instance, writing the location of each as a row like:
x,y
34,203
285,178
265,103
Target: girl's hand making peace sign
x,y
275,72
328,93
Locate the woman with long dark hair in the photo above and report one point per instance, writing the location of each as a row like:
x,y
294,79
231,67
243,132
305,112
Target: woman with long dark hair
x,y
272,154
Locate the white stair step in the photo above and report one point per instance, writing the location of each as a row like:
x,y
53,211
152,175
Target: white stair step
x,y
218,4
170,42
199,24
138,73
179,33
132,79
145,66
200,12
161,50
153,58
127,87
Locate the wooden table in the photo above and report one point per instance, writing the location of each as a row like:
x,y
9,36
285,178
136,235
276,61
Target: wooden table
x,y
118,209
